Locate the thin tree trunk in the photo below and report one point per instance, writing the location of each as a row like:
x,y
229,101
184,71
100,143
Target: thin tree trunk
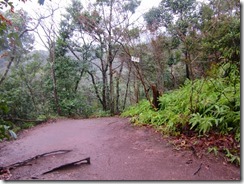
x,y
78,81
32,95
127,87
7,70
8,66
55,93
117,87
117,95
96,91
160,77
173,77
136,90
104,91
141,78
111,87
110,59
188,67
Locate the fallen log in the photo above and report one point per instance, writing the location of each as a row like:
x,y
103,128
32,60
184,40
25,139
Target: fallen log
x,y
76,163
25,162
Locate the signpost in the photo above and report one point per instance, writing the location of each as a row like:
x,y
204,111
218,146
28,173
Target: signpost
x,y
135,59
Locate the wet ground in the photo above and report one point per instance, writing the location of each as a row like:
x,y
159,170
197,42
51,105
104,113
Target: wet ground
x,y
117,149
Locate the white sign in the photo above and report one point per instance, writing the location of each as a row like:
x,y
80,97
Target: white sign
x,y
135,59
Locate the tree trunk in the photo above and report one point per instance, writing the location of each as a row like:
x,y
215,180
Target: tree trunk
x,y
117,87
141,78
127,87
173,77
156,95
136,90
160,77
55,93
78,81
31,95
104,91
9,65
96,91
117,95
111,87
110,60
187,66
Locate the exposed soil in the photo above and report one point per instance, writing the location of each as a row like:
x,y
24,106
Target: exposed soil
x,y
117,149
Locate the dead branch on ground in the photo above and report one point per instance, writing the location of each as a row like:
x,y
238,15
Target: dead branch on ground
x,y
25,162
64,166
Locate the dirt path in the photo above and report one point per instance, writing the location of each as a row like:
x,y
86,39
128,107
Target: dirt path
x,y
118,151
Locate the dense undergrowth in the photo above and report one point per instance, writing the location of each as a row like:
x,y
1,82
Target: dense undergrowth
x,y
201,108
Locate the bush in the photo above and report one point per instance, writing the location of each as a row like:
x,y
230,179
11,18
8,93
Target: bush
x,y
5,129
202,106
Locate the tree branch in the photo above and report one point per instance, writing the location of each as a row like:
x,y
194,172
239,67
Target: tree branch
x,y
95,87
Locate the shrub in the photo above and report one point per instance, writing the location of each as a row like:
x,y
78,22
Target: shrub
x,y
202,105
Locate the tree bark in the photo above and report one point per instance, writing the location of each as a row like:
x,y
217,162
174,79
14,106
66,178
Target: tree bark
x,y
117,95
187,67
136,90
96,91
141,78
117,87
104,90
110,59
78,81
111,88
52,62
7,70
173,77
127,88
156,95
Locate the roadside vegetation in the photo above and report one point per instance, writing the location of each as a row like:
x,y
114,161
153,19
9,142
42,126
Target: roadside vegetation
x,y
203,114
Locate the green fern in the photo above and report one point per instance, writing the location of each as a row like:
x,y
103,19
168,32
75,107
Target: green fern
x,y
205,104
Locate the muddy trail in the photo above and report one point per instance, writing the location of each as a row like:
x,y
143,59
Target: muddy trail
x,y
117,151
